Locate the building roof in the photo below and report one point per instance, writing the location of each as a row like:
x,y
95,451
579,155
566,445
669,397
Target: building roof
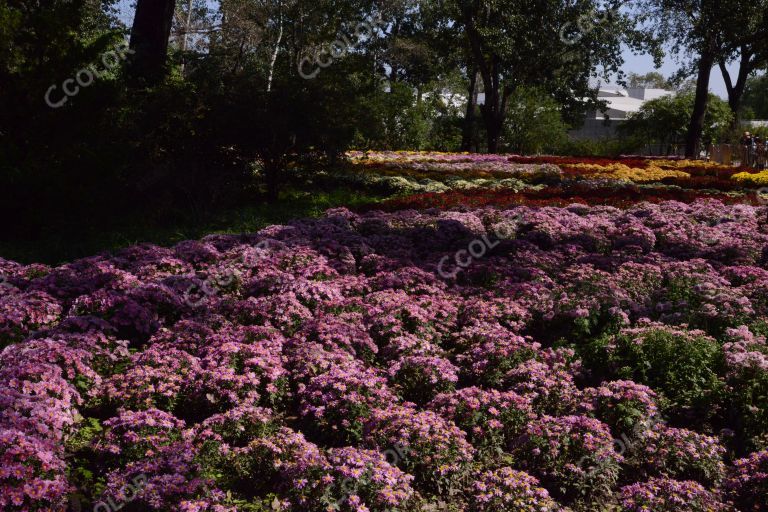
x,y
621,103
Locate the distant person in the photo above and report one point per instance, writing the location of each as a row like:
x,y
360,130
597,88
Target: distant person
x,y
760,156
746,149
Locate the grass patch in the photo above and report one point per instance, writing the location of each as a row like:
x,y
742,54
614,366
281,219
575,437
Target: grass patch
x,y
62,243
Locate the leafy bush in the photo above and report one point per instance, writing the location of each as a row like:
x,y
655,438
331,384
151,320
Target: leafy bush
x,y
677,363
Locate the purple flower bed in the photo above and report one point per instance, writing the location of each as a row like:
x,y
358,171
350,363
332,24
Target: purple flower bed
x,y
593,357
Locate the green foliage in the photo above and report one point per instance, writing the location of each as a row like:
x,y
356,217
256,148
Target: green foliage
x,y
533,123
652,79
749,396
601,147
569,44
86,433
681,366
666,120
756,97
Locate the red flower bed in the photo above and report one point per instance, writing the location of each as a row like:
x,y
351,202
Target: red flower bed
x,y
566,160
556,196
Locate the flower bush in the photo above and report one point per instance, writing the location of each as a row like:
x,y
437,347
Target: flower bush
x,y
665,495
438,453
574,451
32,475
681,364
746,359
420,378
747,483
623,405
491,352
341,400
341,343
621,171
492,419
138,435
507,490
679,454
363,480
759,179
550,387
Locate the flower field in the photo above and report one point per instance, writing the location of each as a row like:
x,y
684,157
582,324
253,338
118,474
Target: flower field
x,y
435,177
587,336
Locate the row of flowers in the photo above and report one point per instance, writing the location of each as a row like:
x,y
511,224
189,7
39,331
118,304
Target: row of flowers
x,y
620,195
430,172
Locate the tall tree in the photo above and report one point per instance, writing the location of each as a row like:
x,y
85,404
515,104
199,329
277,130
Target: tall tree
x,y
149,40
745,41
700,31
696,127
569,44
287,77
666,120
468,130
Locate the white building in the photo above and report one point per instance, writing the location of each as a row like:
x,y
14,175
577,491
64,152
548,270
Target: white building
x,y
620,104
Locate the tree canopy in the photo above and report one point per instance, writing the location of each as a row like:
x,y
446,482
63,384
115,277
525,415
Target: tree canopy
x,y
665,120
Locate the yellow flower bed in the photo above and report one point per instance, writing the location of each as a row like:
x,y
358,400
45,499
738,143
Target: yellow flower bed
x,y
373,157
702,164
625,173
760,178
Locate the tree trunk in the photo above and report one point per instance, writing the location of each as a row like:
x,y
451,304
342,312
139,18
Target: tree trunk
x,y
271,174
696,128
273,60
149,40
185,35
494,133
468,132
493,109
736,91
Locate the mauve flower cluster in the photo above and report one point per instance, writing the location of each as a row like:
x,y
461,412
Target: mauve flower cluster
x,y
665,495
574,455
492,419
589,357
747,482
679,453
623,405
508,490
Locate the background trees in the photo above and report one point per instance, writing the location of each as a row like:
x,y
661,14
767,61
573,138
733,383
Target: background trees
x,y
665,121
745,41
220,100
652,79
569,43
534,123
755,102
693,27
709,33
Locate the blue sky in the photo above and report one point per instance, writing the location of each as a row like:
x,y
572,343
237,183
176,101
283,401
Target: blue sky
x,y
644,63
